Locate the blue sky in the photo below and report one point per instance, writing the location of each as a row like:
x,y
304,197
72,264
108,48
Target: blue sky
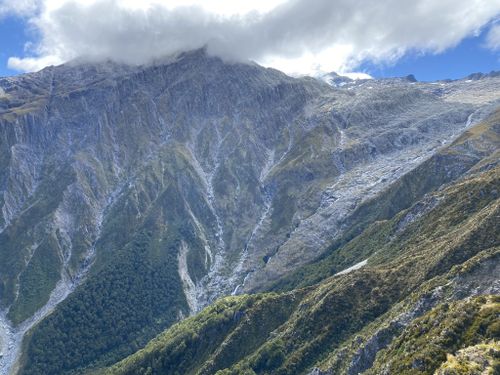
x,y
271,39
13,37
470,56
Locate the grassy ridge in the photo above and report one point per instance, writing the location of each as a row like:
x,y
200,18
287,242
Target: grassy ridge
x,y
428,342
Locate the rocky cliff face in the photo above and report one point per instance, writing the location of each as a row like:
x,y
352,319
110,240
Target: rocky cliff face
x,y
193,179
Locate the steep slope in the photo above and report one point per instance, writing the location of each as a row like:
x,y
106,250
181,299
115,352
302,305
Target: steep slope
x,y
110,155
391,115
471,324
475,150
447,252
134,196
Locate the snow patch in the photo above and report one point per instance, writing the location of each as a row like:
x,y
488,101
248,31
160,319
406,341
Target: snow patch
x,y
357,266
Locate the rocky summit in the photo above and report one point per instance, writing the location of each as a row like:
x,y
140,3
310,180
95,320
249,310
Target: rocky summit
x,y
252,222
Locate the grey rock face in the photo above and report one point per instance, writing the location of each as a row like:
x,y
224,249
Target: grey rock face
x,y
259,170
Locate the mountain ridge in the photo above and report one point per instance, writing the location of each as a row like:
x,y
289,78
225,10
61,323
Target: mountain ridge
x,y
220,178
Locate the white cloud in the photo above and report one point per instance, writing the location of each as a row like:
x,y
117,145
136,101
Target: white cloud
x,y
221,7
297,36
18,7
32,64
493,38
357,75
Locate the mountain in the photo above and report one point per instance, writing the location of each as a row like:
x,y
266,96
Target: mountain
x,y
133,197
